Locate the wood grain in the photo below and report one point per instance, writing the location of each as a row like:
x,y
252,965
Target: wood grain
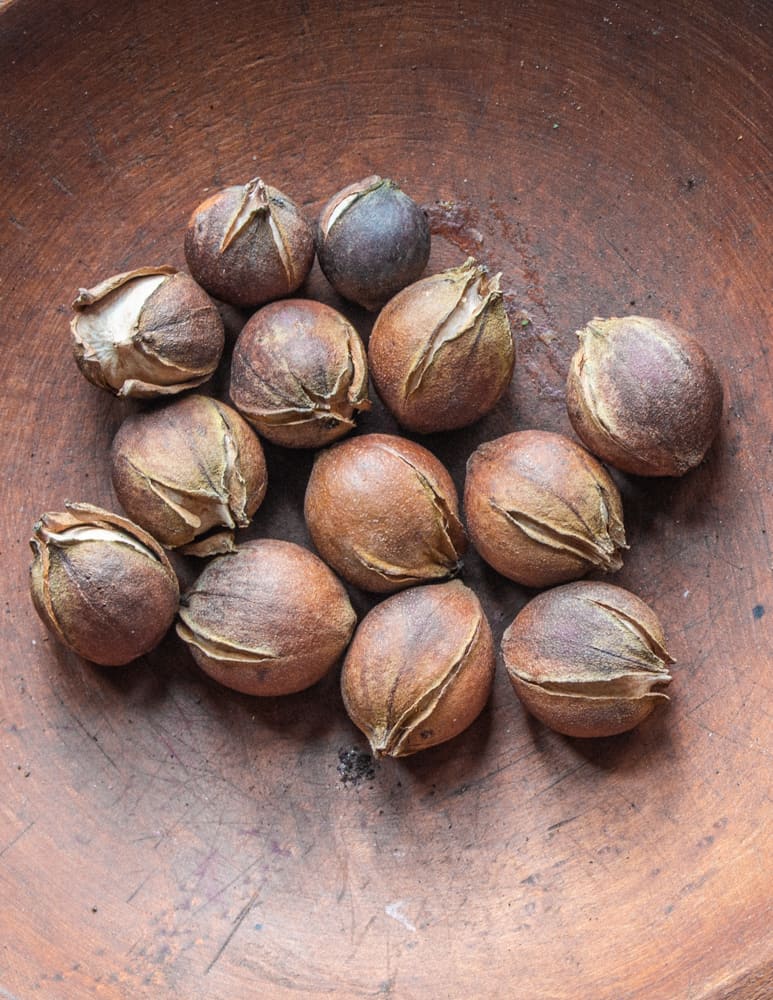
x,y
163,837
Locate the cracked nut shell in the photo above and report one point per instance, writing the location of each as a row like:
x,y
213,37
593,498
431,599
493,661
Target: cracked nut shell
x,y
643,395
269,619
441,353
148,332
541,510
587,659
299,373
383,512
101,585
192,466
419,669
249,244
372,240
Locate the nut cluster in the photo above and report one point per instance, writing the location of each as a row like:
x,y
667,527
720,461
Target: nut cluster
x,y
268,617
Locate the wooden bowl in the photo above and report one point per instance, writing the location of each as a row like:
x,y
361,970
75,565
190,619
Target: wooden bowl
x,y
161,836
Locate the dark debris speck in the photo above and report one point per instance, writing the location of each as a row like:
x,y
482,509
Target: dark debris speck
x,y
355,766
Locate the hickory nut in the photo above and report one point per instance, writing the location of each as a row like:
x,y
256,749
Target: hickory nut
x,y
187,468
419,669
101,585
270,619
299,373
643,395
148,332
372,240
587,659
383,512
541,510
441,353
249,244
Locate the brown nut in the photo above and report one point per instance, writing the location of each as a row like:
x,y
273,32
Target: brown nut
x,y
441,353
148,332
419,669
249,244
643,395
587,659
101,585
383,512
372,240
299,373
541,510
187,468
270,619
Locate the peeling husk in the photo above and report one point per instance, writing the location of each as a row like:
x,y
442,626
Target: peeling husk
x,y
587,659
419,669
441,353
271,619
383,512
190,467
101,585
299,373
249,244
643,395
541,510
145,333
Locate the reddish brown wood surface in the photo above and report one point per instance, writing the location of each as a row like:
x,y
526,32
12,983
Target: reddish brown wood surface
x,y
163,837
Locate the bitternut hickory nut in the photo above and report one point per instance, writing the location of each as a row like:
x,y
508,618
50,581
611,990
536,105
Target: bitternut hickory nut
x,y
643,395
541,510
383,512
268,619
441,353
587,659
299,373
101,585
372,240
249,244
419,669
190,467
148,332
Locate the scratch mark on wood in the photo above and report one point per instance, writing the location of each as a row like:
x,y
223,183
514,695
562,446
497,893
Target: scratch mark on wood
x,y
236,925
394,910
17,838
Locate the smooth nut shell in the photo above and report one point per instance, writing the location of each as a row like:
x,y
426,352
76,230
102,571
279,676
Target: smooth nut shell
x,y
299,373
372,240
148,332
269,619
186,468
587,659
441,353
100,584
383,512
249,244
643,395
541,510
419,669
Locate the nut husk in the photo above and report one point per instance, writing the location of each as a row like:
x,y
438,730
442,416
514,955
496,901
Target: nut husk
x,y
441,353
383,512
269,619
148,332
372,240
419,669
541,510
587,659
299,373
643,395
101,585
249,244
186,468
